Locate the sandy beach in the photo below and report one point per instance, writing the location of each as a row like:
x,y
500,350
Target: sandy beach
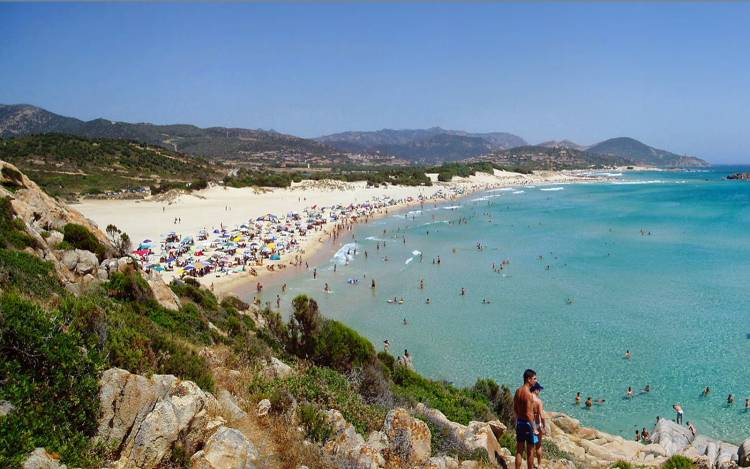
x,y
219,206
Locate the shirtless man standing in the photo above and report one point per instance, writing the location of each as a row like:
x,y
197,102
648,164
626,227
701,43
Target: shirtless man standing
x,y
540,422
523,408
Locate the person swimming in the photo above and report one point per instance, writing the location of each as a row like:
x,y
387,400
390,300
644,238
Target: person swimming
x,y
427,301
630,392
578,398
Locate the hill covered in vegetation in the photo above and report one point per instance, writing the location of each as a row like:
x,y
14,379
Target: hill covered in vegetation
x,y
642,154
537,157
214,142
67,166
423,145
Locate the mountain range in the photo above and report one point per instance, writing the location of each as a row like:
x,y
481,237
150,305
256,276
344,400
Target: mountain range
x,y
424,145
212,142
387,146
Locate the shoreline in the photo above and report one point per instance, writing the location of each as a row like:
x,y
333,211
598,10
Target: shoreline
x,y
227,207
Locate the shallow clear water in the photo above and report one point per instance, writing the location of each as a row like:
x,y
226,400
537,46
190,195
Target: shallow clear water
x,y
678,298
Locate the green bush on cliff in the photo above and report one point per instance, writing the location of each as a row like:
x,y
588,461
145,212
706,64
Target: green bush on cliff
x,y
27,274
51,379
678,461
80,237
340,347
12,230
459,405
325,388
317,427
499,397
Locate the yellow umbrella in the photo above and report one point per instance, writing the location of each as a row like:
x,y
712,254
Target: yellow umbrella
x,y
237,239
271,245
180,271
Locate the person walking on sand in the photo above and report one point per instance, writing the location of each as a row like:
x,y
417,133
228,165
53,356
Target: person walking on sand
x,y
523,409
539,421
678,408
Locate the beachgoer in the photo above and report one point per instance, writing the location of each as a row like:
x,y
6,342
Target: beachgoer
x,y
692,428
372,285
278,302
647,388
315,273
678,408
523,409
326,289
630,392
539,421
421,284
645,434
386,345
706,391
628,355
463,292
637,435
730,399
578,398
427,301
405,323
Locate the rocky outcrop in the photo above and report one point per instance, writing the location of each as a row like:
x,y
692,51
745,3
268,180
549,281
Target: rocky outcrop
x,y
470,437
739,176
277,369
227,448
41,459
743,454
350,449
409,439
674,438
145,418
230,407
592,448
162,293
39,211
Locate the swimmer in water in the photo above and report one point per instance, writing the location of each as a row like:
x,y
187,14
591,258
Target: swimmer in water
x,y
427,301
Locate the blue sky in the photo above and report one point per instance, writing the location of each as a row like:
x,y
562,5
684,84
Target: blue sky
x,y
676,76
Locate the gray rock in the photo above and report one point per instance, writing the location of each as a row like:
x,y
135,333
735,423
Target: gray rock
x,y
87,261
41,459
6,408
54,238
409,438
102,274
743,454
674,438
226,449
263,407
70,259
229,405
277,369
147,418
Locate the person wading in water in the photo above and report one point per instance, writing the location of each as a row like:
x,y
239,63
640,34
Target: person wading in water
x,y
523,409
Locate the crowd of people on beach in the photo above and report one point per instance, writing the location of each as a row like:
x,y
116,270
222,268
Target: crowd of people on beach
x,y
263,242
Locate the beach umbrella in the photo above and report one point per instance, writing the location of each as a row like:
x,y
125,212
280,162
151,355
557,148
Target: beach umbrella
x,y
171,259
146,241
179,271
275,257
189,267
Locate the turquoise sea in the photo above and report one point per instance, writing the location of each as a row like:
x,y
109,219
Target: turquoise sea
x,y
677,298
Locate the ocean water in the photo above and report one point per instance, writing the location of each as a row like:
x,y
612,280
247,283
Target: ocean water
x,y
677,298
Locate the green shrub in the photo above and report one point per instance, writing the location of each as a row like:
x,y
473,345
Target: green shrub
x,y
678,461
326,389
187,322
28,274
459,405
500,398
317,427
621,465
192,290
552,451
231,301
51,379
340,347
81,238
12,230
128,286
508,440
